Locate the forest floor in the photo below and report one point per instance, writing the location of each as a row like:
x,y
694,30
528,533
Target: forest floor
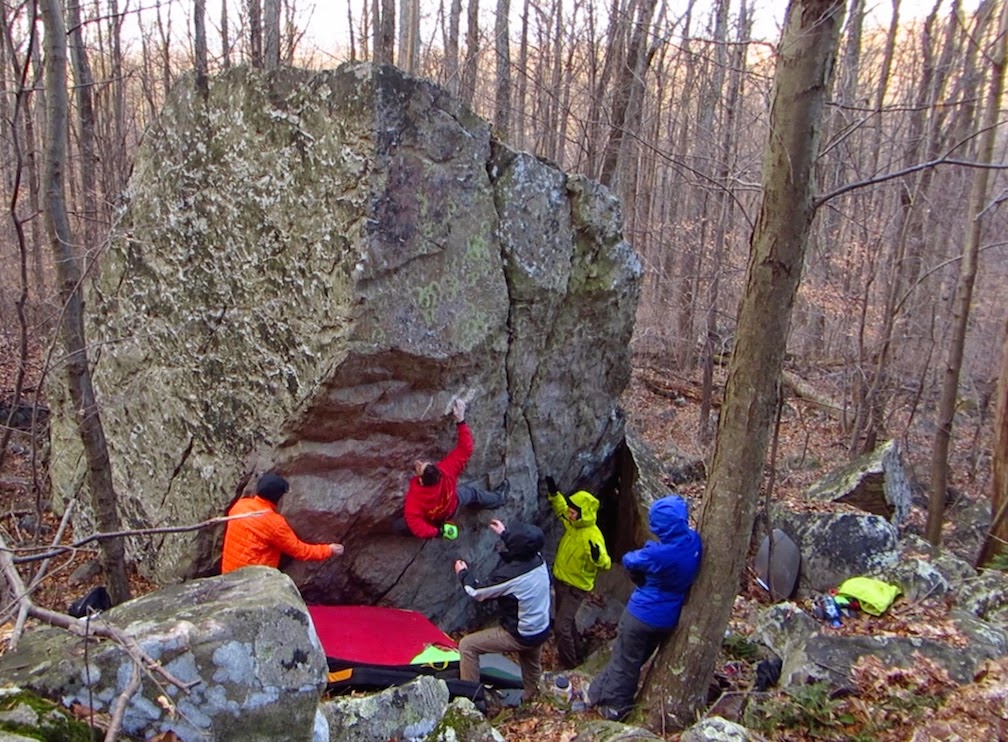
x,y
664,409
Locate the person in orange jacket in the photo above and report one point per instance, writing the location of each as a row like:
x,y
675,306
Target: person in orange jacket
x,y
434,494
263,534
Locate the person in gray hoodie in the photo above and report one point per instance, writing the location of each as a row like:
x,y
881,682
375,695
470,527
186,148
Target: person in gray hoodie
x,y
521,585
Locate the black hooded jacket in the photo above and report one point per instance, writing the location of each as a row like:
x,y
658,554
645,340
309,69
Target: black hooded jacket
x,y
520,582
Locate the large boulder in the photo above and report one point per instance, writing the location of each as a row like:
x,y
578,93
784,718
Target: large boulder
x,y
837,545
875,482
244,642
309,267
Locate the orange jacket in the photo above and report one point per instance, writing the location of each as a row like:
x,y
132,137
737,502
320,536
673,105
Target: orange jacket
x,y
261,539
426,508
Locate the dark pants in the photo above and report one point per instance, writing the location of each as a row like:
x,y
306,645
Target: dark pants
x,y
568,600
616,685
469,496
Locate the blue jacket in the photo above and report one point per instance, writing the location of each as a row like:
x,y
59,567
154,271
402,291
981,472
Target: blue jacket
x,y
666,569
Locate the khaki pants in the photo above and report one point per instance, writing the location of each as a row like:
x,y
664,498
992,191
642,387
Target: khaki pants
x,y
497,640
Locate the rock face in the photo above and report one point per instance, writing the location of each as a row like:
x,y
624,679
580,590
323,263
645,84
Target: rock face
x,y
244,640
309,267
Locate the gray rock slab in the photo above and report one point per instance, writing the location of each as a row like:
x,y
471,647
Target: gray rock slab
x,y
409,711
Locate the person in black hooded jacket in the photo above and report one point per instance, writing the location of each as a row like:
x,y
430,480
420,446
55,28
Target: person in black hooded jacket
x,y
521,584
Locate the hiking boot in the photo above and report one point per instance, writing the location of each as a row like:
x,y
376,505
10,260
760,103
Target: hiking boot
x,y
609,713
502,490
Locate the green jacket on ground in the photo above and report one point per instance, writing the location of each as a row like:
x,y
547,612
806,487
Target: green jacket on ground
x,y
574,564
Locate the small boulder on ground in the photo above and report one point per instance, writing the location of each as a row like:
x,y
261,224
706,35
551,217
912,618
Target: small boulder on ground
x,y
242,642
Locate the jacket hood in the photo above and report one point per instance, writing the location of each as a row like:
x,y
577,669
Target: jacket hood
x,y
521,541
589,506
669,517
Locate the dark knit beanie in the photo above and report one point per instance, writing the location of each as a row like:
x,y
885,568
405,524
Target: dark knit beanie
x,y
431,475
271,487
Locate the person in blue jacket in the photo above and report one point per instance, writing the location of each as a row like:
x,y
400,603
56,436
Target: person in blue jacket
x,y
663,572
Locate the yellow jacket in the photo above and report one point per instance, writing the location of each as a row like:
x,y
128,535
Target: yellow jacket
x,y
574,564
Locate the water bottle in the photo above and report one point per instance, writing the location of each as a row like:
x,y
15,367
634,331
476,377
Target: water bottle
x,y
830,611
562,688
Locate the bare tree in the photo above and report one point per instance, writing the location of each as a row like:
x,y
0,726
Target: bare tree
x,y
502,101
384,30
409,35
467,89
806,53
271,34
68,266
452,47
200,44
629,88
997,539
83,89
964,287
225,36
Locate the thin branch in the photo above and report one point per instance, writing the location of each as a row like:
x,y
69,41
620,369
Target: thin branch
x,y
900,173
56,550
119,711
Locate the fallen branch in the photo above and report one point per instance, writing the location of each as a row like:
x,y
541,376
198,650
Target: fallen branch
x,y
804,391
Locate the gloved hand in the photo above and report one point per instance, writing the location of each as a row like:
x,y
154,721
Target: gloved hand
x,y
551,486
449,531
595,551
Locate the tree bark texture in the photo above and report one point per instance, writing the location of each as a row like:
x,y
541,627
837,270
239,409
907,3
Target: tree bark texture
x,y
678,684
271,34
997,539
467,89
68,267
200,44
255,33
964,290
502,104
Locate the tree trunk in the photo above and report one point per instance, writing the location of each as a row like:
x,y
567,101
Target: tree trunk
x,y
68,267
386,35
255,33
225,39
271,34
452,47
83,87
997,539
964,289
468,87
678,685
200,45
502,101
518,135
409,35
630,83
718,204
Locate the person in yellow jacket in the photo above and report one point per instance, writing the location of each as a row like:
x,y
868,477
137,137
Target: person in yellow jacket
x,y
580,555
